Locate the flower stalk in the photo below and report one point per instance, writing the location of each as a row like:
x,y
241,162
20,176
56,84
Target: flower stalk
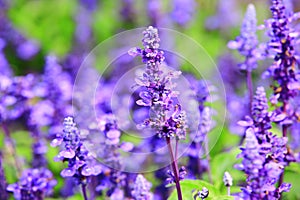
x,y
175,168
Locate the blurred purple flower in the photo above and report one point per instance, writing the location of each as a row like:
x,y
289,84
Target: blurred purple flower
x,y
227,11
127,11
183,11
141,189
34,184
154,12
39,149
91,5
5,69
247,42
28,49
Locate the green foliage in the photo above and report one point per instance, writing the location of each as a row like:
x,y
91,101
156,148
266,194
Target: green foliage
x,y
50,22
292,175
225,162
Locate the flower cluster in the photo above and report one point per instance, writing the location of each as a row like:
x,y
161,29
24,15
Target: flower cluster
x,y
168,119
265,154
34,184
171,179
141,189
112,177
284,70
74,152
256,165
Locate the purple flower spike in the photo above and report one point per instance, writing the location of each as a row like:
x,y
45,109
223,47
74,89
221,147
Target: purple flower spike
x,y
264,155
159,91
141,189
81,164
260,105
247,42
282,48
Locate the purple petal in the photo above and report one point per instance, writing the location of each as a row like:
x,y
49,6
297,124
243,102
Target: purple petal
x,y
245,123
69,153
142,103
56,142
12,187
87,171
233,45
113,141
97,170
280,117
68,172
112,134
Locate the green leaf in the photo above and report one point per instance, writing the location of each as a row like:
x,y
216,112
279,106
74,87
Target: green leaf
x,y
225,162
292,175
223,197
188,186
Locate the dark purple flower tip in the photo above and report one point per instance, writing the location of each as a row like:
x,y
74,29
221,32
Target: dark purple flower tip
x,y
151,39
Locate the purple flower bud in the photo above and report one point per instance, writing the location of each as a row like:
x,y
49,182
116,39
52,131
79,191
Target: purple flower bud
x,y
227,179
